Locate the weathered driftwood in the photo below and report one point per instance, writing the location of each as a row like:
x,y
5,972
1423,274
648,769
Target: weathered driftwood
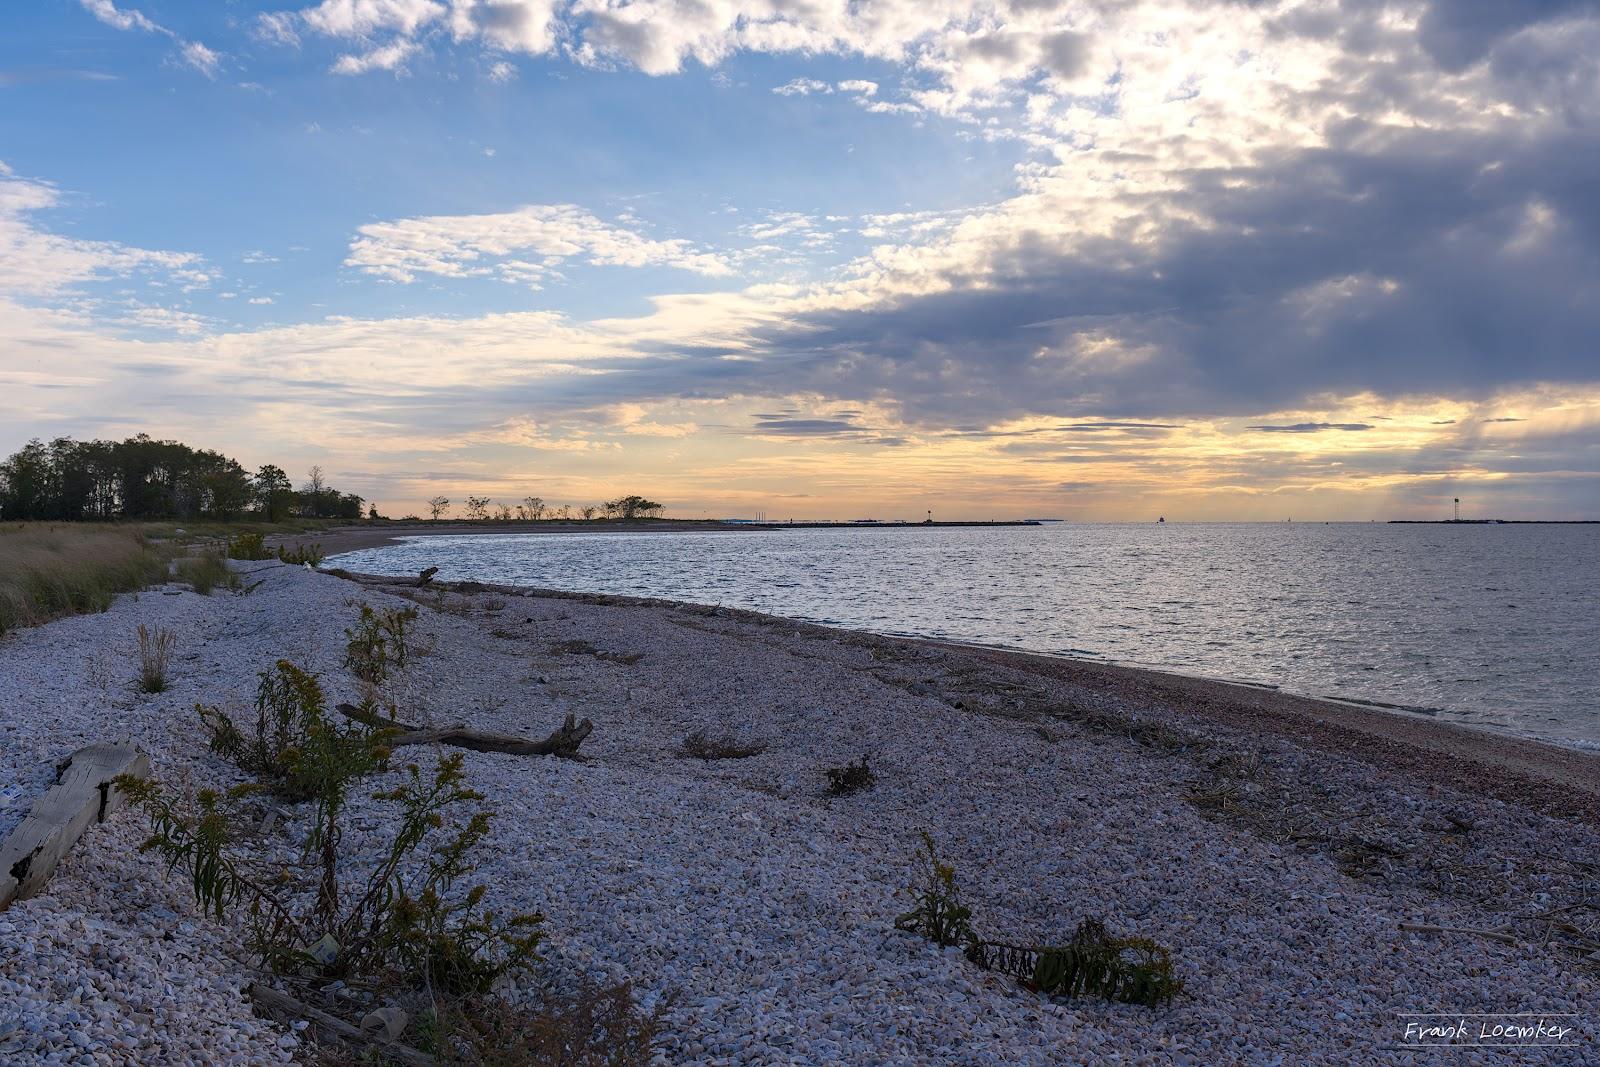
x,y
279,1004
1425,928
82,796
426,576
563,742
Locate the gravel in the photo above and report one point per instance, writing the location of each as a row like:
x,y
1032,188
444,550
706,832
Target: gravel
x,y
756,910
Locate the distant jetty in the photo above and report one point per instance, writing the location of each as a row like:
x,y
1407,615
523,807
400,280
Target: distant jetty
x,y
874,524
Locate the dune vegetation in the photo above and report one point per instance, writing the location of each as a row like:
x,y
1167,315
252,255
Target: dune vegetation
x,y
53,569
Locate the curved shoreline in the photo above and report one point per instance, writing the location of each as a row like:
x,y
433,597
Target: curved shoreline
x,y
1547,777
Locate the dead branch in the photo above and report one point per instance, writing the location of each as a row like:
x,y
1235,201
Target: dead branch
x,y
281,1004
563,742
1493,935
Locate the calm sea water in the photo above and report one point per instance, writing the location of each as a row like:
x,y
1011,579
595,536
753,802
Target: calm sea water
x,y
1495,626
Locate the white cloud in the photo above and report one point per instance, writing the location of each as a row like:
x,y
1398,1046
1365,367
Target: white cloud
x,y
484,245
108,13
161,318
196,55
391,56
37,263
261,300
502,72
803,87
507,25
190,54
363,18
277,27
861,86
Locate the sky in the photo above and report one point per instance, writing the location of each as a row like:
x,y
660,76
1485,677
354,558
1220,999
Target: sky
x,y
1082,259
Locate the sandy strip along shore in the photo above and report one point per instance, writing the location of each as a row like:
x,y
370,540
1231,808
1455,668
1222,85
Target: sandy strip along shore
x,y
1276,845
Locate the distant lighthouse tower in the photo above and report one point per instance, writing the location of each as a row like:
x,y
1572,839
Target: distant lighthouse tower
x,y
1458,510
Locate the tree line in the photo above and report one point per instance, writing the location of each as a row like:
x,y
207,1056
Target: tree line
x,y
143,478
533,509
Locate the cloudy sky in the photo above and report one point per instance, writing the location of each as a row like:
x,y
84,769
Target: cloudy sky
x,y
822,258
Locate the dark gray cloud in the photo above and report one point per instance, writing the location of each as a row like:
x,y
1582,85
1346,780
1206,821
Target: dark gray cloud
x,y
1312,427
1458,33
806,427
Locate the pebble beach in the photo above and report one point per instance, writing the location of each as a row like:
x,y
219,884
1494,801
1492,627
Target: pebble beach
x,y
1274,845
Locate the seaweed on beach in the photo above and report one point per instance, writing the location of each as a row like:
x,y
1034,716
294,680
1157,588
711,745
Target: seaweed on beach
x,y
1131,970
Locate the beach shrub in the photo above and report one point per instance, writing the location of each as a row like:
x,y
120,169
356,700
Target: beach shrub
x,y
377,644
1133,970
302,555
403,924
293,744
701,744
155,650
851,778
206,572
248,546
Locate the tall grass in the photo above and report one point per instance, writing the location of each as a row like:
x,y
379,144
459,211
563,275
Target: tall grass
x,y
53,569
206,572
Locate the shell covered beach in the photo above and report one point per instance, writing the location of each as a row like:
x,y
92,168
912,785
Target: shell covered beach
x,y
1278,847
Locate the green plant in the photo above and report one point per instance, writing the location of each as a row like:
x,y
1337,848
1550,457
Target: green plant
x,y
302,555
155,649
248,546
196,839
851,778
430,934
377,644
405,924
206,572
294,745
939,915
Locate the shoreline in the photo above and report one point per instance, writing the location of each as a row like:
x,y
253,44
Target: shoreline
x,y
1373,718
1553,778
1279,847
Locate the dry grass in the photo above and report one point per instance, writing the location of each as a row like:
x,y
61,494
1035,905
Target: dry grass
x,y
707,746
48,570
155,652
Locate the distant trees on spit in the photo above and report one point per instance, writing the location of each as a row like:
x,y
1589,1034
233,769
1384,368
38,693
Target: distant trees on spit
x,y
534,509
143,478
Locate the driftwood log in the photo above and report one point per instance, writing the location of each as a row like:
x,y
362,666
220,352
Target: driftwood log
x,y
82,796
272,1002
426,576
563,742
